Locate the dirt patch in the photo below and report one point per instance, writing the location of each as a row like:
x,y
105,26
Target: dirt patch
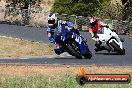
x,y
21,48
60,70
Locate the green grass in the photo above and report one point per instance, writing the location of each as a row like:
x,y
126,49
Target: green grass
x,y
40,81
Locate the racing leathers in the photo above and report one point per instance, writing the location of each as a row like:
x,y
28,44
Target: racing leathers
x,y
94,30
54,33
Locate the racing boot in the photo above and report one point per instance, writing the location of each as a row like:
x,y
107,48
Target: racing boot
x,y
98,47
58,49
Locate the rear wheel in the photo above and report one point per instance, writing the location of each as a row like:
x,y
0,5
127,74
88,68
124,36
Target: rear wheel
x,y
73,52
117,48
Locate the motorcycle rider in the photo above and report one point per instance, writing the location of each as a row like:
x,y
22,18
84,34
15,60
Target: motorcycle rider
x,y
95,27
54,31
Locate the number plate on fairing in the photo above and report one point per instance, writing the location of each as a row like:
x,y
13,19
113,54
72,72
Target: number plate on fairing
x,y
78,39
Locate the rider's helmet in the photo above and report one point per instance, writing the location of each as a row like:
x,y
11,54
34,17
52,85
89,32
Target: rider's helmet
x,y
52,20
93,21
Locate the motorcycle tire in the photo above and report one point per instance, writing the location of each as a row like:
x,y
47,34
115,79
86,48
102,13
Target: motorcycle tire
x,y
88,54
73,52
117,48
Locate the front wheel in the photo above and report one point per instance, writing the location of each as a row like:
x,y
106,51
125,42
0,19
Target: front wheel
x,y
73,51
88,54
117,48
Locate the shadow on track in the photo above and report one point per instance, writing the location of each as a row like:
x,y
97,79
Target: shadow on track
x,y
66,58
107,54
71,58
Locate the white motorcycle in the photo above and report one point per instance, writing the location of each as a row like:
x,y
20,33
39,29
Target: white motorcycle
x,y
110,41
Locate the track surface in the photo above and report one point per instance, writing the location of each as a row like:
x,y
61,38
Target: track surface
x,y
39,34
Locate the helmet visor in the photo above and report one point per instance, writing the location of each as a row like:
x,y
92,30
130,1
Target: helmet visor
x,y
51,21
93,24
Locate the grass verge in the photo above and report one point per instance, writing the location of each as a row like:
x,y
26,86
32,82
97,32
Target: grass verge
x,y
12,76
21,48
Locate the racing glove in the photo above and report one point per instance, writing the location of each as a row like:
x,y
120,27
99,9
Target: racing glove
x,y
52,40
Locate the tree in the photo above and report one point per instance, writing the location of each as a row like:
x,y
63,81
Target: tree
x,y
77,7
81,9
127,9
99,8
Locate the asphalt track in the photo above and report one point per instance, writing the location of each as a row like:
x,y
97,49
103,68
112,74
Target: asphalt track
x,y
39,34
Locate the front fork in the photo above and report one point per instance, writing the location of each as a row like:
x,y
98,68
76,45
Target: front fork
x,y
83,48
81,44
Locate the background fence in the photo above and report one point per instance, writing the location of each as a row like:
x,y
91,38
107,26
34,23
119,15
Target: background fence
x,y
38,17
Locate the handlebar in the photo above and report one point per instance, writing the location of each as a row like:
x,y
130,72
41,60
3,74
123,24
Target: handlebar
x,y
104,26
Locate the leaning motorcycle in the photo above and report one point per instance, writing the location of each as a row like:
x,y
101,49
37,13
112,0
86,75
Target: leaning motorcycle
x,y
110,41
74,44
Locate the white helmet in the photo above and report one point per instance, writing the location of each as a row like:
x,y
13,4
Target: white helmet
x,y
92,21
52,20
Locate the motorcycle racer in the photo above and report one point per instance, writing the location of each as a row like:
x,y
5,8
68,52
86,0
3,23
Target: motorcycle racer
x,y
55,26
95,27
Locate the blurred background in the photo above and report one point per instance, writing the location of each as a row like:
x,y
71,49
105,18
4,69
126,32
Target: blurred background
x,y
116,13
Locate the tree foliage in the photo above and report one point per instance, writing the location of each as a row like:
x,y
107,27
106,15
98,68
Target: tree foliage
x,y
127,10
99,8
77,7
